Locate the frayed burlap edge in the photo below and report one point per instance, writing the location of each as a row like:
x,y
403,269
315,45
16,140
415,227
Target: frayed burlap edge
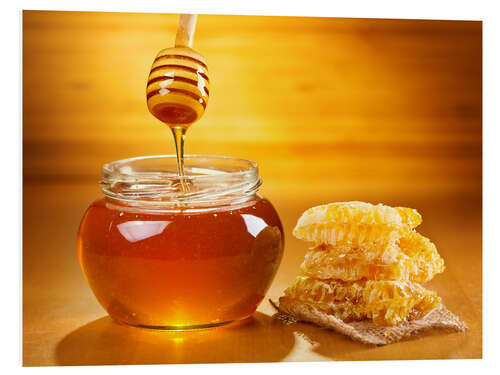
x,y
290,311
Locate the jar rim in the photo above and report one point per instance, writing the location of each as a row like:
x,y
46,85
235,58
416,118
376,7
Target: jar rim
x,y
153,180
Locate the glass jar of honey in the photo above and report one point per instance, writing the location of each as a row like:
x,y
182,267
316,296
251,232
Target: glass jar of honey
x,y
163,254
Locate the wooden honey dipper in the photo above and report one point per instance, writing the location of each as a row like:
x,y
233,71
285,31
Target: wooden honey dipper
x,y
178,86
177,90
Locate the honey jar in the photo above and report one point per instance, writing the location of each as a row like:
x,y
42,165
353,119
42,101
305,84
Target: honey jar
x,y
158,256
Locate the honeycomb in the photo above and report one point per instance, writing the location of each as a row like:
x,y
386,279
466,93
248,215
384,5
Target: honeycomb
x,y
414,258
367,263
384,302
355,223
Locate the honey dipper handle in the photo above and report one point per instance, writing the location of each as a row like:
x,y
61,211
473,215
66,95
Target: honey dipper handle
x,y
185,30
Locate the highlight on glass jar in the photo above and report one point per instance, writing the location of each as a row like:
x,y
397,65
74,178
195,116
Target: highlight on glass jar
x,y
158,256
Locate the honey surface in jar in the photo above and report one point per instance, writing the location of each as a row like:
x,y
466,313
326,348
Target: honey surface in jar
x,y
180,268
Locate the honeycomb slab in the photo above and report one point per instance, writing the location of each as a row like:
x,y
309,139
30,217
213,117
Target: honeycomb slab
x,y
384,302
355,224
413,257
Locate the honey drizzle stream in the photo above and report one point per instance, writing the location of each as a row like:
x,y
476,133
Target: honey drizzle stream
x,y
179,133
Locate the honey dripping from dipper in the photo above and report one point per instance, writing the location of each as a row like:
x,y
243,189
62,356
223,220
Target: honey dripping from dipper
x,y
178,87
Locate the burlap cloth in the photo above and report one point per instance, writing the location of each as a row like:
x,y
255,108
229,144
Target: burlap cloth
x,y
290,311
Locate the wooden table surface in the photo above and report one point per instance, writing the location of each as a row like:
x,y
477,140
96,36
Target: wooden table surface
x,y
331,109
65,325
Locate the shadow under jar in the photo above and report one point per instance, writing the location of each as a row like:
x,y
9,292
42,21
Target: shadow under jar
x,y
160,257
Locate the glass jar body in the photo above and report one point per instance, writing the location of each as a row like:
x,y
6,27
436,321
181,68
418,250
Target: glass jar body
x,y
180,268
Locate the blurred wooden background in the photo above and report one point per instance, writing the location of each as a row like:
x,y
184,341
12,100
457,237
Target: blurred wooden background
x,y
338,104
331,109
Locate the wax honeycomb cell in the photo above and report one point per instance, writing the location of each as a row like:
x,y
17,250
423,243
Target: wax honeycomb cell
x,y
384,302
322,264
426,260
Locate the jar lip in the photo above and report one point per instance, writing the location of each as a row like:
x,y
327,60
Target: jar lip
x,y
108,168
153,180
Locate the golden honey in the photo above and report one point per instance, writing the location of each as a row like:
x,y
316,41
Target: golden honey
x,y
177,266
177,94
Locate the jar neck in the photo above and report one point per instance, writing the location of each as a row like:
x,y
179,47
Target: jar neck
x,y
191,208
153,183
